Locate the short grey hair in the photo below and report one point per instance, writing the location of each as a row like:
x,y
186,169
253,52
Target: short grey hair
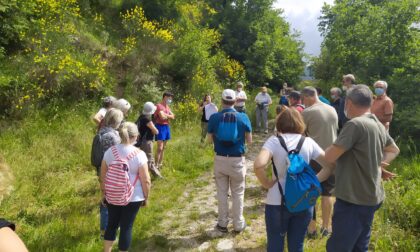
x,y
108,102
309,91
113,118
360,95
336,90
350,77
382,82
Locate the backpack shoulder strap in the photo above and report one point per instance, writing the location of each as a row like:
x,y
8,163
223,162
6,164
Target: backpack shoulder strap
x,y
283,143
115,152
299,145
132,154
283,200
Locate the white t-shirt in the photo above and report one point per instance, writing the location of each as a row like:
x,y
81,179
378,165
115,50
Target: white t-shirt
x,y
240,95
263,98
135,163
210,109
101,112
310,150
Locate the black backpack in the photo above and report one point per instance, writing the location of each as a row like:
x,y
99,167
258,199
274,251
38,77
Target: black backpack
x,y
97,152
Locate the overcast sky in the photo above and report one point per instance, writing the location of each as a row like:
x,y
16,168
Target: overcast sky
x,y
303,17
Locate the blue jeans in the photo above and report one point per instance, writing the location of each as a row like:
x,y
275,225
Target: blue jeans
x,y
351,226
279,222
103,212
123,217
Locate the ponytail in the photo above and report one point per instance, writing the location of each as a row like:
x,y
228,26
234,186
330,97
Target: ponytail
x,y
128,130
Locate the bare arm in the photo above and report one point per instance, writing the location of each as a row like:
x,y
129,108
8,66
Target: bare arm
x,y
248,137
97,118
104,169
333,152
170,115
327,168
201,107
10,241
260,165
152,127
145,181
390,153
210,138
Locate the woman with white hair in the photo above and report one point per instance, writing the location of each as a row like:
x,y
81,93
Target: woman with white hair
x,y
123,105
382,107
9,240
122,215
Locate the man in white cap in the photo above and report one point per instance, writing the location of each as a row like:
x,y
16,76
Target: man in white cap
x,y
240,97
147,131
229,130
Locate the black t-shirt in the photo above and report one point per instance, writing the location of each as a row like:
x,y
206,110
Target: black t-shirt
x,y
203,116
145,132
5,223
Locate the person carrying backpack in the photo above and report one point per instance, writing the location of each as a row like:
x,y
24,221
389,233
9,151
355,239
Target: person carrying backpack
x,y
125,185
294,188
228,130
103,140
147,132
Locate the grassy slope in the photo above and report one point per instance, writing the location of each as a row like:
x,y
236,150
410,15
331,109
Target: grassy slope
x,y
55,201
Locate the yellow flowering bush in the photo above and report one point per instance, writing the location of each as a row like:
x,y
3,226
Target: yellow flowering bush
x,y
185,110
138,27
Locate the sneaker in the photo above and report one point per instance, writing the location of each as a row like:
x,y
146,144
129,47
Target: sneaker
x,y
238,231
312,235
221,229
325,232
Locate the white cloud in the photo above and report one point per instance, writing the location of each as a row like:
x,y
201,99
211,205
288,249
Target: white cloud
x,y
303,17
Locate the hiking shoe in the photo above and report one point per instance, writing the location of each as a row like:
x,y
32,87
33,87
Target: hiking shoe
x,y
325,232
221,229
156,172
312,235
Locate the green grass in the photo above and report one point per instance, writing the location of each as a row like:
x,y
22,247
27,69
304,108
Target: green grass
x,y
56,193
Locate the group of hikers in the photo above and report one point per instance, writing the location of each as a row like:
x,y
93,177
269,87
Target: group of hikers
x,y
317,149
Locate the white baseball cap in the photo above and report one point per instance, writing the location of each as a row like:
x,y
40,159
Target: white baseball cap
x,y
228,95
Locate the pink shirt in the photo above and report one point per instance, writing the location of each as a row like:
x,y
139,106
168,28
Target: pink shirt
x,y
166,110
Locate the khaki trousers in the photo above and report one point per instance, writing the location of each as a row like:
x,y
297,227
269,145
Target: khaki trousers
x,y
230,174
147,147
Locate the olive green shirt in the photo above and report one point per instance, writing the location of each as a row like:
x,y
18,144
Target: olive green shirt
x,y
358,174
321,123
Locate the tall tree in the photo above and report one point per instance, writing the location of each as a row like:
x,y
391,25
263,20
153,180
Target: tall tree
x,y
256,35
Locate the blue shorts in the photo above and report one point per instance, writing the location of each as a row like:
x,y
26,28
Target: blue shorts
x,y
164,132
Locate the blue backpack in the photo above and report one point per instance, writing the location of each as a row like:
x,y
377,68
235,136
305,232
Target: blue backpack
x,y
302,186
227,132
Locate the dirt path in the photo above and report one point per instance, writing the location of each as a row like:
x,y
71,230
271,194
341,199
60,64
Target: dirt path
x,y
191,226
